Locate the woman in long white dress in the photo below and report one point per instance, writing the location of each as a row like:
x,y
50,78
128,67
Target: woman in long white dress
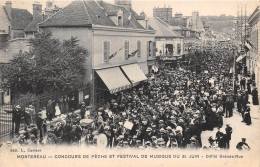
x,y
57,110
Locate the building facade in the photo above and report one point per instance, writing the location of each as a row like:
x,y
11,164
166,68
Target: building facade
x,y
117,43
254,39
168,42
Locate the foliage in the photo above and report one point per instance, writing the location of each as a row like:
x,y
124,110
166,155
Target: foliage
x,y
50,65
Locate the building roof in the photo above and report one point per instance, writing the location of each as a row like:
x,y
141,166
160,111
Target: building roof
x,y
128,17
176,28
162,28
33,26
254,16
88,12
72,15
20,18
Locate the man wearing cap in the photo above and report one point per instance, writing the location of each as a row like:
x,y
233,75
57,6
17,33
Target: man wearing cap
x,y
67,132
16,118
58,131
148,134
228,130
39,124
243,145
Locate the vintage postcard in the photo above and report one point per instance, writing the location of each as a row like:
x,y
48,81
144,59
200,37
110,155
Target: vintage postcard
x,y
129,83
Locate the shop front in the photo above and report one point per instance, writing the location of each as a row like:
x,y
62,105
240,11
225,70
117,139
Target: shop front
x,y
111,81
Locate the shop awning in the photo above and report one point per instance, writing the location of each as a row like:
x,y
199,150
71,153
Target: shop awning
x,y
134,73
114,79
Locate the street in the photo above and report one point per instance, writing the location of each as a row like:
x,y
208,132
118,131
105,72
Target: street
x,y
240,129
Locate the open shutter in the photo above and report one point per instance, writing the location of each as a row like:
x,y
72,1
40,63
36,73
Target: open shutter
x,y
126,48
139,48
106,50
154,49
148,48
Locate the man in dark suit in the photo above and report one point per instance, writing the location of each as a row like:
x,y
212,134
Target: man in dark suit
x,y
16,118
228,134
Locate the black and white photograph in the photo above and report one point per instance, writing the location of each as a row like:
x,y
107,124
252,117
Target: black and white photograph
x,y
129,83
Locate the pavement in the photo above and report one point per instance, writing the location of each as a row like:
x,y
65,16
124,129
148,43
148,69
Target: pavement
x,y
240,129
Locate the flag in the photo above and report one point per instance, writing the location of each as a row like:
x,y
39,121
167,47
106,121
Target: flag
x,y
248,45
240,57
130,16
113,55
133,54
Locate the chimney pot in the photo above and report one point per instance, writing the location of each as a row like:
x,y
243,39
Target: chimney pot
x,y
8,7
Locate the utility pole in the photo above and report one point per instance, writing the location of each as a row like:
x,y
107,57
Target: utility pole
x,y
241,28
237,25
245,36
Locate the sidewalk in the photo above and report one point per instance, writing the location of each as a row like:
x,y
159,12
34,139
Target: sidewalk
x,y
240,129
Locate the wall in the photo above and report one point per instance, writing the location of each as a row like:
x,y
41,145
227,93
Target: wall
x,y
84,35
116,42
12,48
17,34
4,20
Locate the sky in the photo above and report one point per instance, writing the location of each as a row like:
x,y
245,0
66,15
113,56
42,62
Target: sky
x,y
205,7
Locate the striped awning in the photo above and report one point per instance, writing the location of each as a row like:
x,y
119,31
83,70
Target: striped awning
x,y
114,79
134,73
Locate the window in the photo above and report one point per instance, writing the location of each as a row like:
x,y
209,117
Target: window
x,y
139,48
178,48
120,21
126,48
154,49
106,50
149,48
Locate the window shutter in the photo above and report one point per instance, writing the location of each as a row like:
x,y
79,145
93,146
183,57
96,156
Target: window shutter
x,y
148,48
154,49
139,48
126,49
106,50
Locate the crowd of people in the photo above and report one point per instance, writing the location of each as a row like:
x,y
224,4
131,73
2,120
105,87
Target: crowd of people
x,y
169,110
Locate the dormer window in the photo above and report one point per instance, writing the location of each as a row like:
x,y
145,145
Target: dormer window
x,y
146,24
120,18
120,21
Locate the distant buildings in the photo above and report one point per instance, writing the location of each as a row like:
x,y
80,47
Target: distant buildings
x,y
13,21
164,13
40,15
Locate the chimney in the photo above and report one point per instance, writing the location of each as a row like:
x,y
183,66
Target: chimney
x,y
49,4
143,20
8,7
37,9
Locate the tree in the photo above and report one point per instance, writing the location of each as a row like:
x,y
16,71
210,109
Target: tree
x,y
49,66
